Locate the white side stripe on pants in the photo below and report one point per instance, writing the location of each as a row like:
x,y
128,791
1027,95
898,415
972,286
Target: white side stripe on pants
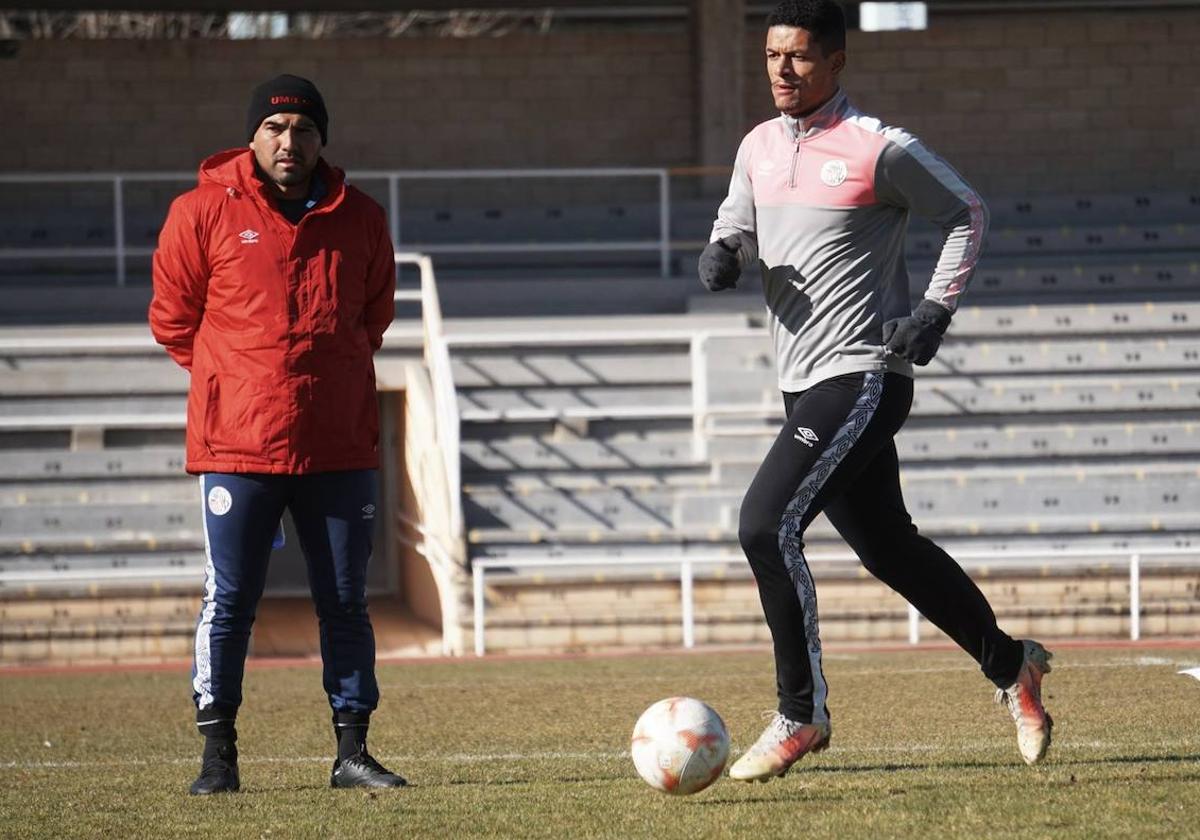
x,y
202,680
790,540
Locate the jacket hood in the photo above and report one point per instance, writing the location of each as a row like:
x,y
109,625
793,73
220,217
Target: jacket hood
x,y
234,169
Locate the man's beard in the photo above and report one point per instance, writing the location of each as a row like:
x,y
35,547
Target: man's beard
x,y
295,176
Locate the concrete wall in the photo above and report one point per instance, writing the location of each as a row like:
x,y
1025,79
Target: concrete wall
x,y
1057,102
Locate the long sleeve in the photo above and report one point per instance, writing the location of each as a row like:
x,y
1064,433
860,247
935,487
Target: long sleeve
x,y
380,306
910,176
736,213
180,276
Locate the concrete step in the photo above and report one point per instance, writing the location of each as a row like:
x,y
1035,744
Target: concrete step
x,y
45,496
986,442
60,465
584,401
57,376
517,454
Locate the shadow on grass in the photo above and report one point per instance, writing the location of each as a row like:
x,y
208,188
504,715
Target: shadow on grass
x,y
1001,765
894,766
255,789
558,780
811,772
796,794
796,791
1132,759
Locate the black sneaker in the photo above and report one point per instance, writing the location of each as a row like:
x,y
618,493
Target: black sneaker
x,y
218,774
362,770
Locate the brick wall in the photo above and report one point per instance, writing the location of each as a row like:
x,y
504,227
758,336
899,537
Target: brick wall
x,y
1019,103
1025,104
525,100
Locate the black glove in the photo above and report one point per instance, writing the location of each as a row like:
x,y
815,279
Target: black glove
x,y
720,267
917,337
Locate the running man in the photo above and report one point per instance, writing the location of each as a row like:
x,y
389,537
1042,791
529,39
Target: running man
x,y
273,285
820,200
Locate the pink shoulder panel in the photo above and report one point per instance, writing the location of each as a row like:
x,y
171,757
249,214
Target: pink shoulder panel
x,y
836,168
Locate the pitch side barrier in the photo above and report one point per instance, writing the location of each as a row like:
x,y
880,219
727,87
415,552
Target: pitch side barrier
x,y
1041,563
120,251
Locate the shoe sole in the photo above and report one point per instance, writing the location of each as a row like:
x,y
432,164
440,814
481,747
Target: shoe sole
x,y
1041,657
1049,740
361,785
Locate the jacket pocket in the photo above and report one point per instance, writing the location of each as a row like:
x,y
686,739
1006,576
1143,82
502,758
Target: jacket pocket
x,y
242,419
345,414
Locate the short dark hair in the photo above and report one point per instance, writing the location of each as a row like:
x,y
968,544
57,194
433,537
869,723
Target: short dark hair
x,y
823,18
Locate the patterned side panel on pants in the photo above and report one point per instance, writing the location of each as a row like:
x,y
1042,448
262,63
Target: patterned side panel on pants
x,y
202,664
790,534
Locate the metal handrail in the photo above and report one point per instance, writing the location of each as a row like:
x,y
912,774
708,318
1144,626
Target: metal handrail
x,y
686,571
701,408
437,359
120,251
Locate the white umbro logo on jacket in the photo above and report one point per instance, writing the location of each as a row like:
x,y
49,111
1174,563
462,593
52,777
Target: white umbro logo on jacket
x,y
248,237
806,436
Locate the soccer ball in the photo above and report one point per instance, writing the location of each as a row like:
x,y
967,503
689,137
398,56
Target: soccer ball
x,y
680,746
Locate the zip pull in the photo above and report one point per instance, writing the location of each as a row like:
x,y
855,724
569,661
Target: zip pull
x,y
795,162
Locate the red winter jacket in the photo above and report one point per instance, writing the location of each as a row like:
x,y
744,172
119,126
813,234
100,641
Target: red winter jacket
x,y
277,323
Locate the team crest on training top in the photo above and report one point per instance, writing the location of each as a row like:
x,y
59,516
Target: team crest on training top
x,y
834,172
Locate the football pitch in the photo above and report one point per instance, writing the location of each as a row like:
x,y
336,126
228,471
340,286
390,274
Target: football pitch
x,y
539,748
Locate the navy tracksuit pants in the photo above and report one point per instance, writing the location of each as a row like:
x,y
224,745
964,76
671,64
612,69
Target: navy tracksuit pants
x,y
835,454
334,516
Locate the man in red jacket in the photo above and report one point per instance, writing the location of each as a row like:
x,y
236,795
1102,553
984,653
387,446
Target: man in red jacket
x,y
273,285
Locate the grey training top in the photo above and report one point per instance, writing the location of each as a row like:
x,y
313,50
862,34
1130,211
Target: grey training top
x,y
825,201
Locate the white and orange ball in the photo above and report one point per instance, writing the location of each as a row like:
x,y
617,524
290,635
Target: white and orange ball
x,y
680,745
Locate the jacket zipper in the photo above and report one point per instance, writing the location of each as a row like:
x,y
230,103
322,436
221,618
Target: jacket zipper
x,y
795,162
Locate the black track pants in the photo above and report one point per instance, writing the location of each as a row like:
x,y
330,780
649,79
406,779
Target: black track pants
x,y
836,454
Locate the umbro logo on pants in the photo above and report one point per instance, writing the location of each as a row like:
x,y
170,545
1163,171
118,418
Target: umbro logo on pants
x,y
806,436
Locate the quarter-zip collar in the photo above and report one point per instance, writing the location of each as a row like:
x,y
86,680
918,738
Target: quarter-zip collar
x,y
825,117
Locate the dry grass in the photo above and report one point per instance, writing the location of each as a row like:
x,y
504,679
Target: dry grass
x,y
504,748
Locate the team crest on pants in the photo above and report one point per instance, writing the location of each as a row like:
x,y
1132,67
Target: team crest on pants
x,y
219,501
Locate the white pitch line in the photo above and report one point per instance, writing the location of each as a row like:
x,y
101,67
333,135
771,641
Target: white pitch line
x,y
453,758
969,667
956,750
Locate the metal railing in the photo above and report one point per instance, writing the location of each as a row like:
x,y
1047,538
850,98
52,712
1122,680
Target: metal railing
x,y
701,409
983,561
120,251
662,244
437,360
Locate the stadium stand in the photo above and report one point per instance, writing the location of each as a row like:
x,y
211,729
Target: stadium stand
x,y
101,544
1059,417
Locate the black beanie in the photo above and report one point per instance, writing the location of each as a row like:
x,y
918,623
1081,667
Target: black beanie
x,y
287,94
